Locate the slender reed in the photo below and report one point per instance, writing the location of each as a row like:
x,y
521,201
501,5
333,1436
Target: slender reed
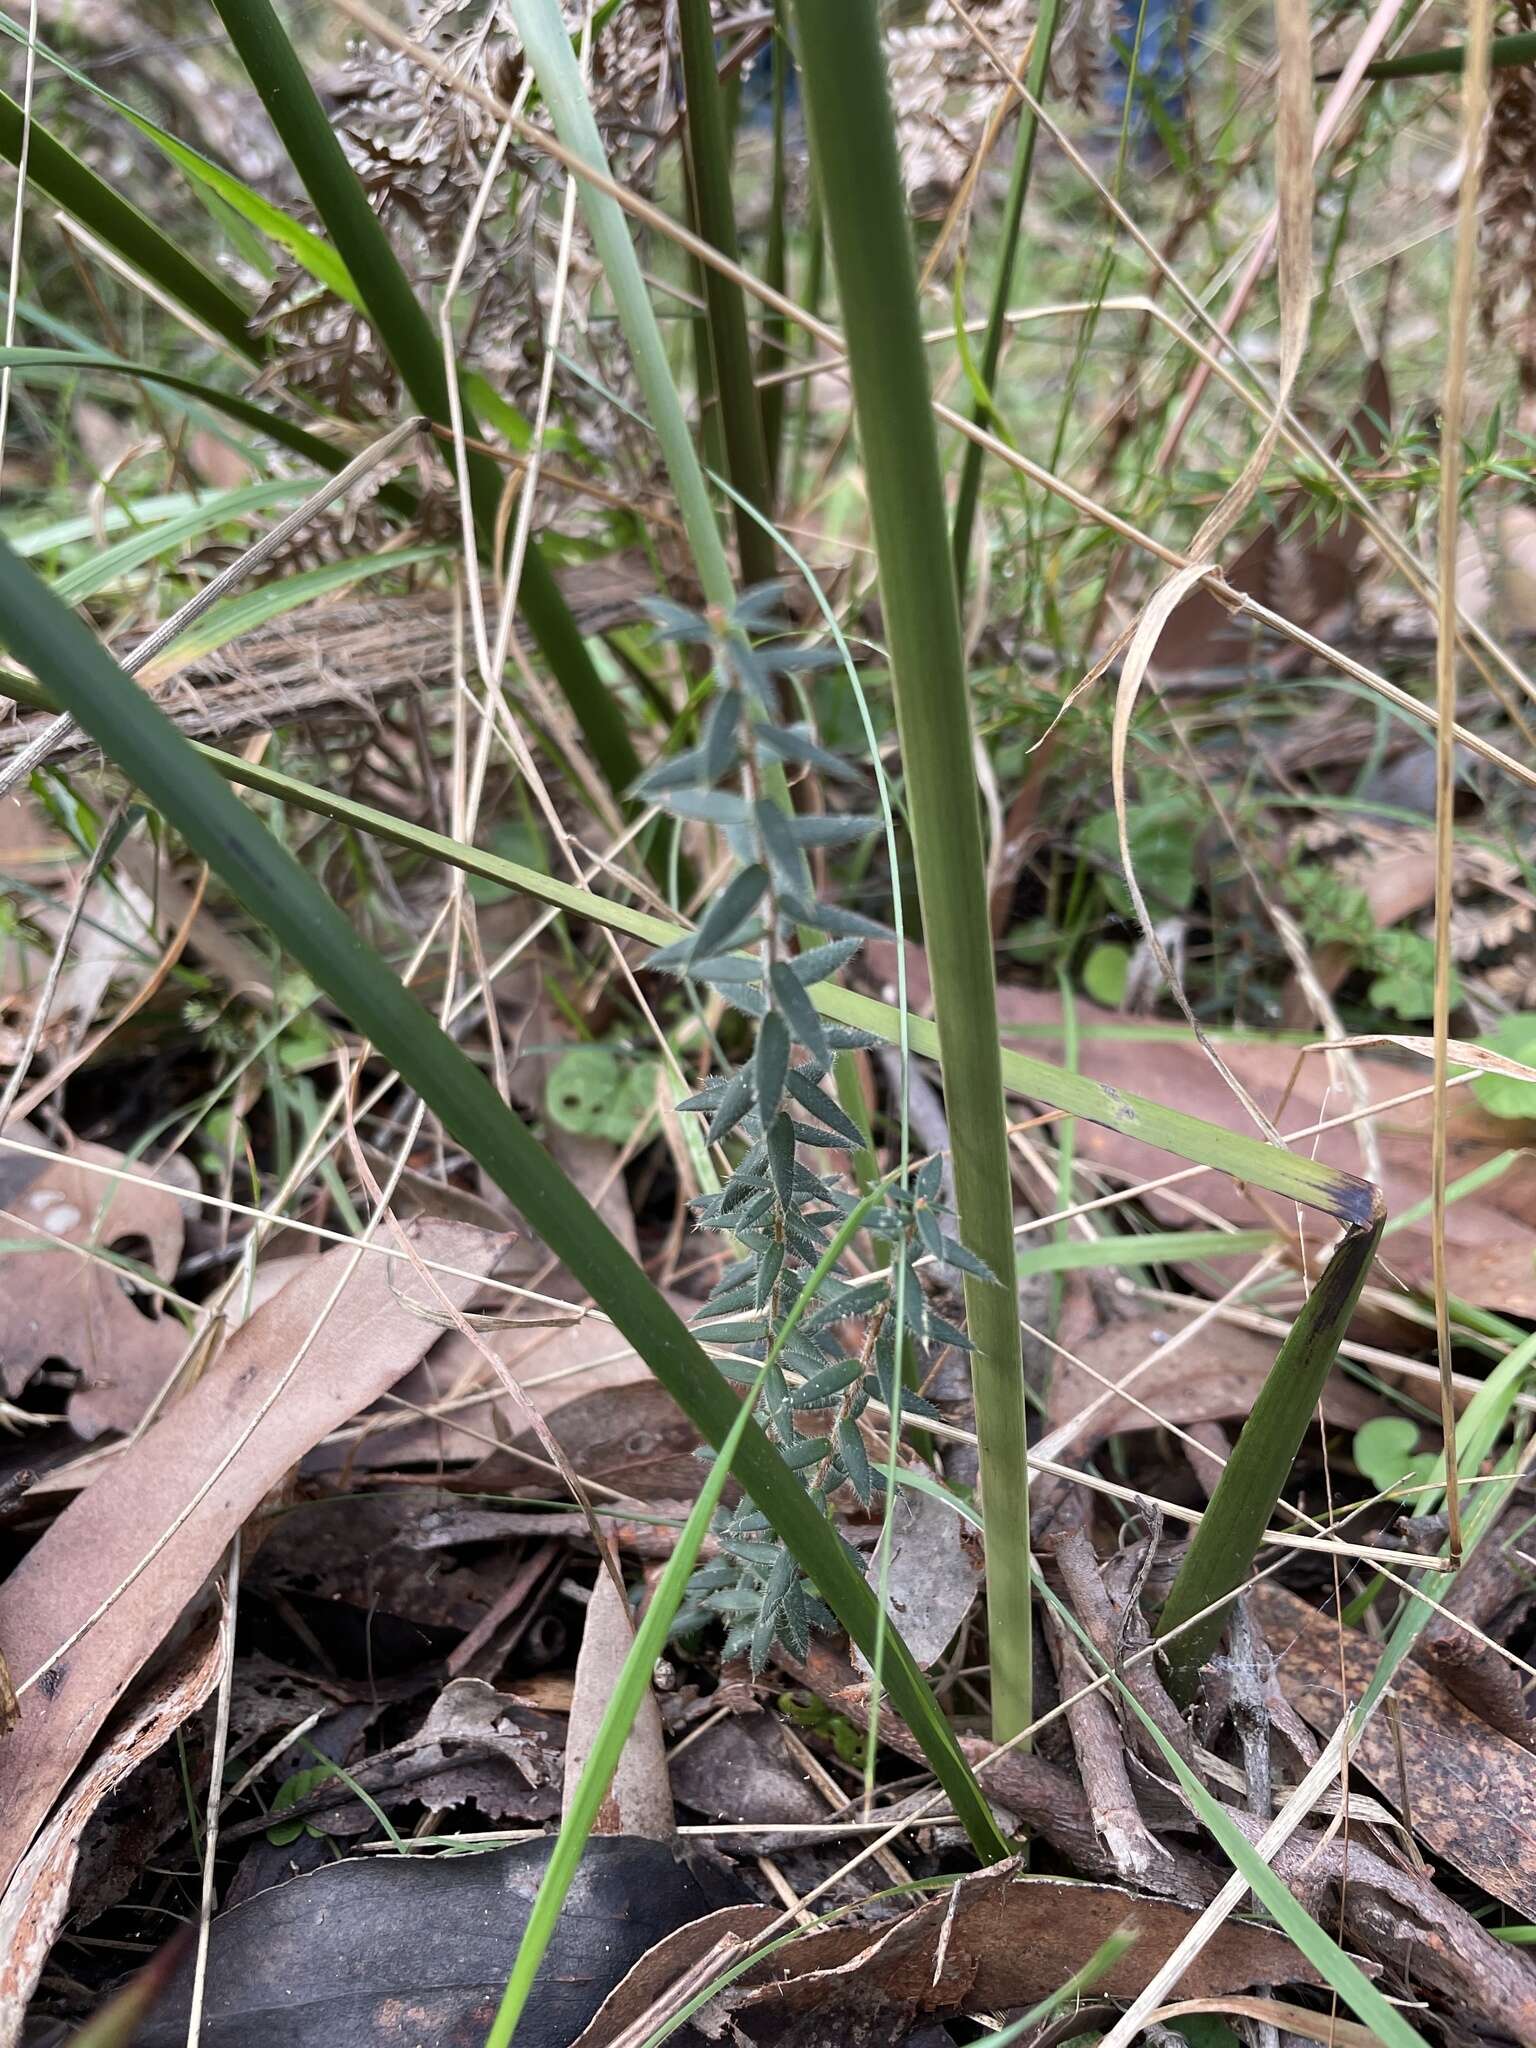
x,y
854,156
741,413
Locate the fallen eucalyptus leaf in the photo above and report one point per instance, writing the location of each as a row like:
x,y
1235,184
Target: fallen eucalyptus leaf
x,y
127,1556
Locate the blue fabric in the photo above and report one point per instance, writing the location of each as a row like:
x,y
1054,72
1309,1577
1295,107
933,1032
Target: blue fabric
x,y
1170,32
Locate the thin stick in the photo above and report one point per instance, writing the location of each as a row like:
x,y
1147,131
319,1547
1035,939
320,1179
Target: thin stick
x,y
1474,107
215,1802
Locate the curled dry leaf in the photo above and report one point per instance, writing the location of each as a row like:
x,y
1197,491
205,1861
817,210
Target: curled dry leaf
x,y
476,1745
492,1752
933,1576
33,1904
991,1942
639,1800
70,1304
125,1558
1470,1792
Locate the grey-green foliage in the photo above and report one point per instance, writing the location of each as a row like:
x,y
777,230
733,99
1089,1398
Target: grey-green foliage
x,y
762,944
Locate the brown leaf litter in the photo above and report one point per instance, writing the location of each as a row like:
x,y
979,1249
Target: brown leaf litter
x,y
62,1301
1468,1792
1488,1233
638,1801
108,1581
33,1904
994,1940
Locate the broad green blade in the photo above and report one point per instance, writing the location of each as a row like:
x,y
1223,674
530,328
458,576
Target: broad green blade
x,y
1504,53
302,243
326,455
1222,1551
171,536
1002,291
233,617
741,412
548,46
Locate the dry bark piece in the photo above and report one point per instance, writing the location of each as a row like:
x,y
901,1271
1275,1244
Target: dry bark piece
x,y
60,1304
1101,1760
475,1745
1417,1934
1471,1791
488,1749
1111,1635
1046,1799
33,1904
223,1447
360,1551
1494,1591
991,1941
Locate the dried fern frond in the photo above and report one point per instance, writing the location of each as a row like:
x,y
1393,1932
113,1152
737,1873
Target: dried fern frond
x,y
945,87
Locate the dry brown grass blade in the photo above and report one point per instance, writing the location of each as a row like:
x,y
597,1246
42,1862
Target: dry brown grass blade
x,y
1293,177
84,1610
1325,2027
1474,110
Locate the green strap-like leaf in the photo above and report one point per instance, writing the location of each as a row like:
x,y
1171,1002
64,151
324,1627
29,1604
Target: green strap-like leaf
x,y
91,201
1504,53
302,243
327,456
